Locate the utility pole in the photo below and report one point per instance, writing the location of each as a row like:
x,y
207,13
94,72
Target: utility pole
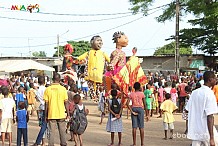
x,y
177,59
58,45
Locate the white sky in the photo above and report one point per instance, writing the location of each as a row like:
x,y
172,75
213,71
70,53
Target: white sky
x,y
146,34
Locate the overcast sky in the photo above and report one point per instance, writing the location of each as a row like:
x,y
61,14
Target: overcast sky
x,y
22,36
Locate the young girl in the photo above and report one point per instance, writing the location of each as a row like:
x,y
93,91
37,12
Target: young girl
x,y
114,123
101,104
148,100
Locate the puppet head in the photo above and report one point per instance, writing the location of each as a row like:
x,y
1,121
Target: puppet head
x,y
96,42
120,39
134,50
68,48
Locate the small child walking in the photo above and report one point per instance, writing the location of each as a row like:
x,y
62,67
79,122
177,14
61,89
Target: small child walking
x,y
22,120
7,106
168,107
114,123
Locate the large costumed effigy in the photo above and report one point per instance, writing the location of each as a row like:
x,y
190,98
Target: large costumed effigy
x,y
68,71
123,73
96,60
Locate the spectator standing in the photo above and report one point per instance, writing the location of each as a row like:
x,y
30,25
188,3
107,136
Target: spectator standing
x,y
56,101
137,110
22,120
7,106
182,94
201,107
168,107
41,111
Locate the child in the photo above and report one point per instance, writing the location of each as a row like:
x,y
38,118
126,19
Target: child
x,y
22,120
79,121
168,107
188,90
101,104
114,123
174,94
7,106
20,96
155,102
137,110
31,99
71,105
160,98
148,101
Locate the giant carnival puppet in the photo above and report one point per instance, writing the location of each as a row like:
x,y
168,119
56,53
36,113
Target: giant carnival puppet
x,y
68,71
122,73
95,65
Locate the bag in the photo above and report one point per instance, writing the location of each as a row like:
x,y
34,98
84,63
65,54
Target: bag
x,y
31,96
115,106
79,121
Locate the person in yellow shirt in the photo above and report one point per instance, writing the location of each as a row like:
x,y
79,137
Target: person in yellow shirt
x,y
56,101
168,107
95,63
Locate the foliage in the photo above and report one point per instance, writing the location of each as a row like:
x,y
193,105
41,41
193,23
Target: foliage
x,y
203,35
169,49
79,48
39,54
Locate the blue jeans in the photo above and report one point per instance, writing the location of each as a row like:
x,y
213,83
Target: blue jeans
x,y
42,130
22,132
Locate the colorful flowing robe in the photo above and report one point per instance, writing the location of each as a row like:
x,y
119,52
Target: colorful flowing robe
x,y
67,68
129,74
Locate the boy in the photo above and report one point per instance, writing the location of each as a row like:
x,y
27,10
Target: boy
x,y
31,99
22,119
79,121
7,106
168,107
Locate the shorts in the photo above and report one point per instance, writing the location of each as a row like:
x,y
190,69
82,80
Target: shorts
x,y
6,125
182,99
138,121
31,107
86,89
168,126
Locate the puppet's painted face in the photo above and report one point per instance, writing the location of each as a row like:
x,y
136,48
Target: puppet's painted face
x,y
97,43
123,41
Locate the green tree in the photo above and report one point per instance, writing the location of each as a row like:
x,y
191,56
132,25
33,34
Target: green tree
x,y
203,35
169,49
39,54
79,48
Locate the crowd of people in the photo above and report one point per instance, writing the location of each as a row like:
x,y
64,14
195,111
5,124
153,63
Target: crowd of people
x,y
57,104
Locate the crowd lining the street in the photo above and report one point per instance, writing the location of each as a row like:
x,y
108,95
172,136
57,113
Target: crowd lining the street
x,y
195,96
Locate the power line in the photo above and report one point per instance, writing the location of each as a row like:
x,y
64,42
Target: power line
x,y
83,36
61,21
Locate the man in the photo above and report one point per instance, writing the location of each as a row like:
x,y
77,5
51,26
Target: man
x,y
56,98
41,110
201,107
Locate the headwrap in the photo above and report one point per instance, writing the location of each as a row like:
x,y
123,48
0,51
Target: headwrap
x,y
68,48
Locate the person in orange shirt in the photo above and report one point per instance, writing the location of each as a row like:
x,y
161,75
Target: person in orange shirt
x,y
215,90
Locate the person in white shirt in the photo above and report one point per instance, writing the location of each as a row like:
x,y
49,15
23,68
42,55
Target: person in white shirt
x,y
85,88
201,107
